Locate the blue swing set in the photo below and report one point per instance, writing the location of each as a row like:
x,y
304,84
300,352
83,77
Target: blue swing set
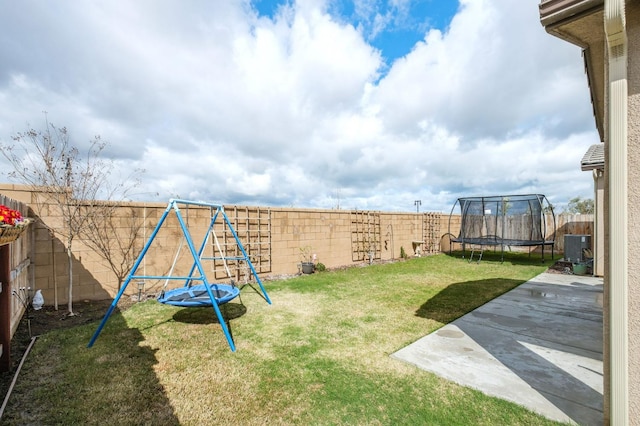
x,y
190,295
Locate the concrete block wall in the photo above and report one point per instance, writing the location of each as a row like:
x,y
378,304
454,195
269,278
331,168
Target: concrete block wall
x,y
326,233
276,236
297,233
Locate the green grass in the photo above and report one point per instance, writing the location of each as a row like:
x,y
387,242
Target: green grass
x,y
318,355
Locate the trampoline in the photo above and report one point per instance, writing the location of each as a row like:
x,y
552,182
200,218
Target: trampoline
x,y
198,295
503,221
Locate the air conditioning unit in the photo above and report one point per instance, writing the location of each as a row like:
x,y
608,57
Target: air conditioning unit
x,y
575,246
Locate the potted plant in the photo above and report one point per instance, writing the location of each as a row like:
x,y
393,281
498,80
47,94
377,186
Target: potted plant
x,y
12,224
307,264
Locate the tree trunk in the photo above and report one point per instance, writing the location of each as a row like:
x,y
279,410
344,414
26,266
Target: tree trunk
x,y
70,256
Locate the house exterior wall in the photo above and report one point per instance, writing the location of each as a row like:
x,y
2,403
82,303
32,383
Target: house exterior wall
x,y
586,28
606,292
632,11
633,75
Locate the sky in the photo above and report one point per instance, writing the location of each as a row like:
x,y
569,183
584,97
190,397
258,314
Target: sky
x,y
332,104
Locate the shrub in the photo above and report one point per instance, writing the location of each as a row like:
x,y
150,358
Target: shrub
x,y
403,254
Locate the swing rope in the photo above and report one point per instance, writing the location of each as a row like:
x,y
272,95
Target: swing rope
x,y
222,255
175,259
173,265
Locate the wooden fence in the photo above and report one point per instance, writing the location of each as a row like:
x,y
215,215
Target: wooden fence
x,y
570,224
15,283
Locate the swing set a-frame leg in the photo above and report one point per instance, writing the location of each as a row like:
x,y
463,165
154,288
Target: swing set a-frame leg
x,y
225,329
216,309
108,314
128,280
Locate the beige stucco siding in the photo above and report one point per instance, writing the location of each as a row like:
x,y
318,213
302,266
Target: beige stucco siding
x,y
633,18
562,19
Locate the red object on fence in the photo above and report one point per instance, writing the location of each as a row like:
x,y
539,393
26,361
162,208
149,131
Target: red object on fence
x,y
9,216
11,224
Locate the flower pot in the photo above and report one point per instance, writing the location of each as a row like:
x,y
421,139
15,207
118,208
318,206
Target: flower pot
x,y
308,267
10,233
580,268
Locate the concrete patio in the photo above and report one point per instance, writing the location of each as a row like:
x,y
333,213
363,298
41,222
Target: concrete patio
x,y
538,345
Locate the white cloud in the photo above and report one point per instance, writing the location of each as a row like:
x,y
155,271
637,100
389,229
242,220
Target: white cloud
x,y
220,104
488,76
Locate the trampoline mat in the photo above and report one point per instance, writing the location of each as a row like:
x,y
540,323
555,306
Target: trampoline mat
x,y
501,242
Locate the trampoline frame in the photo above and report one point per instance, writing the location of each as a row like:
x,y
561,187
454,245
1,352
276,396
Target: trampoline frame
x,y
538,223
196,268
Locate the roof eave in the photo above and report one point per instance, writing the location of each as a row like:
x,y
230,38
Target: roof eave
x,y
587,167
554,13
573,21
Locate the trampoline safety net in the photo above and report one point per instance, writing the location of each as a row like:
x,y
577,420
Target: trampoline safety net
x,y
504,220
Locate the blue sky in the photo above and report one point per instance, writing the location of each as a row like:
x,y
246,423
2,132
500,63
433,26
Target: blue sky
x,y
309,103
393,27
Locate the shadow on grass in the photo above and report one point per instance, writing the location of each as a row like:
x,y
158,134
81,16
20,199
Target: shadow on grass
x,y
114,381
206,315
459,298
511,257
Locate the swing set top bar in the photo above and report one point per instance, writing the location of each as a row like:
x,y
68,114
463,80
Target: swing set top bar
x,y
195,203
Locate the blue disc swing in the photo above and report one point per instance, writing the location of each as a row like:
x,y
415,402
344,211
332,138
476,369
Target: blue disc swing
x,y
190,295
198,295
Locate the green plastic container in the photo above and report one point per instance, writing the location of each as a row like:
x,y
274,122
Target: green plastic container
x,y
580,268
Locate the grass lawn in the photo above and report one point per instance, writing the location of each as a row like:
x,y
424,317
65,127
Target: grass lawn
x,y
318,355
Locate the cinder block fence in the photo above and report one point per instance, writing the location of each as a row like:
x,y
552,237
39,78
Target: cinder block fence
x,y
276,239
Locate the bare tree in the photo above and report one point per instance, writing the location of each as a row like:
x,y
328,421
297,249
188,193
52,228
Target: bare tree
x,y
114,237
67,180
